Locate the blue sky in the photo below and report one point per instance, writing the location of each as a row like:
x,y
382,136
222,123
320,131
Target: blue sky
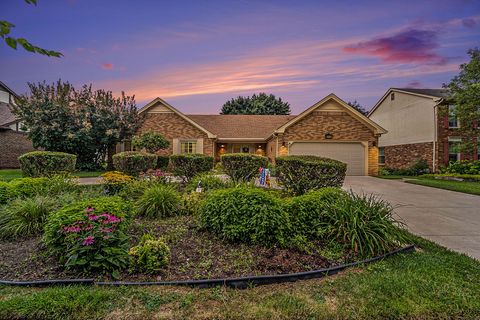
x,y
198,54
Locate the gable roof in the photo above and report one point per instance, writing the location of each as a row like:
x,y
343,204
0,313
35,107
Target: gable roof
x,y
352,111
436,94
254,127
4,86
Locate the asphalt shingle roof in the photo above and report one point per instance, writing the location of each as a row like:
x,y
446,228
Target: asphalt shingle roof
x,y
440,93
6,116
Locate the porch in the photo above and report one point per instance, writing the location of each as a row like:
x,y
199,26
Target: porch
x,y
222,148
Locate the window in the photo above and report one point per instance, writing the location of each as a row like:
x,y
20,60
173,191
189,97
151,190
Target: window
x,y
452,117
188,147
392,96
381,155
453,154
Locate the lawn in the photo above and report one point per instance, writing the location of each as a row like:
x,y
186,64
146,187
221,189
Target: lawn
x,y
432,283
10,174
459,186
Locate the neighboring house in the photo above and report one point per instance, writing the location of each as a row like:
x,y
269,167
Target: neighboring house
x,y
13,141
419,127
330,128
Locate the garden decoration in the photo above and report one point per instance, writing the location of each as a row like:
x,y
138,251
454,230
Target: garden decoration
x,y
199,187
264,177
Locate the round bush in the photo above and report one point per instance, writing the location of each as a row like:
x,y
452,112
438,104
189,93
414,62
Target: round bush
x,y
46,163
150,255
242,167
208,182
299,174
134,162
187,166
245,214
159,201
114,181
162,162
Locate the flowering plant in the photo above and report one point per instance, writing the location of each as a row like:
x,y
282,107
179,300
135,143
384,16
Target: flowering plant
x,y
156,175
114,181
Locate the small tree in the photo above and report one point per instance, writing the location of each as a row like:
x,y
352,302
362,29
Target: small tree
x,y
465,95
357,106
256,104
151,141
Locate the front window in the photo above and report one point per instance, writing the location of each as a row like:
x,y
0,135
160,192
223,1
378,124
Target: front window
x,y
452,117
453,152
188,147
381,155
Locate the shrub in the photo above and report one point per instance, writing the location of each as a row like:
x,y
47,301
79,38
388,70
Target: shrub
x,y
364,224
159,201
245,214
208,182
156,175
4,192
463,167
162,162
242,167
135,189
114,181
300,174
307,213
25,217
89,234
419,167
46,163
150,141
191,202
187,166
150,255
134,162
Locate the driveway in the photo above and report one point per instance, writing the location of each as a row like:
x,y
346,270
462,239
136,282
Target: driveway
x,y
449,218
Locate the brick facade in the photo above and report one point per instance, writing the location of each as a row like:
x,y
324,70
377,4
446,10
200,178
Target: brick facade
x,y
405,155
13,144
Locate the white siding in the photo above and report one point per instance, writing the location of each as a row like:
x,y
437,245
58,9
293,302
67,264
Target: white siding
x,y
4,96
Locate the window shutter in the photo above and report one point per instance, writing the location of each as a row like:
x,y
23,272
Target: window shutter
x,y
176,146
199,146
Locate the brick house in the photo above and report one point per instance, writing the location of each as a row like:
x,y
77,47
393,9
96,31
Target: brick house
x,y
419,127
13,140
329,128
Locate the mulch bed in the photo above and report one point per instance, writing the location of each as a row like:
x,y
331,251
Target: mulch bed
x,y
195,254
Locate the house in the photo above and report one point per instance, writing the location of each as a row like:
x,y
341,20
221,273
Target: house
x,y
330,128
13,140
419,127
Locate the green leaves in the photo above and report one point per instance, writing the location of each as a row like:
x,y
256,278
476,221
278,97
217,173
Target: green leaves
x,y
242,167
151,141
257,104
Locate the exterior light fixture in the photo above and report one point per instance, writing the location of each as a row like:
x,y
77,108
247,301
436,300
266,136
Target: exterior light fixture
x,y
328,135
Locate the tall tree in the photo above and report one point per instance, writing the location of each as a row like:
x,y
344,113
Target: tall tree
x,y
357,106
465,95
6,27
256,104
83,122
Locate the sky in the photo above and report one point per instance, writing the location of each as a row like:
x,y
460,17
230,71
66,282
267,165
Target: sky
x,y
198,54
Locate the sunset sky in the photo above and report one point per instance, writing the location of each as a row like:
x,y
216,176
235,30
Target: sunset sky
x,y
198,54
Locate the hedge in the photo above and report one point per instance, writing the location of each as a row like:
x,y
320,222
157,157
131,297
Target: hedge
x,y
299,174
134,162
46,163
187,166
242,167
162,162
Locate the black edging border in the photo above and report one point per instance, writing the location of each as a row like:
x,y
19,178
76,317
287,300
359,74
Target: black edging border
x,y
238,283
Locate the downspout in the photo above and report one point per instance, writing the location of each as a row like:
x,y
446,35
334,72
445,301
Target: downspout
x,y
435,134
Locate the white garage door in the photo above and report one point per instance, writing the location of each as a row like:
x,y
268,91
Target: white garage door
x,y
353,154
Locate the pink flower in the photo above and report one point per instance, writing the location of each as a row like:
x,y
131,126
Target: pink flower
x,y
89,209
88,241
70,229
92,216
106,237
107,230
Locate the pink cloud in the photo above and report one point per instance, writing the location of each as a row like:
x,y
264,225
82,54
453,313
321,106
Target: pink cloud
x,y
107,66
408,46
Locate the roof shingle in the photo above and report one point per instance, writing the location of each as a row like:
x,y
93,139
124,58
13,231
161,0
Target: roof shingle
x,y
6,116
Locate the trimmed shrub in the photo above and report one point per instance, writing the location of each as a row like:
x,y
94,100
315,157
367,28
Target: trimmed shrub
x,y
89,234
463,167
162,162
46,163
150,141
159,201
134,162
187,166
242,167
299,174
245,214
208,182
25,217
150,255
114,181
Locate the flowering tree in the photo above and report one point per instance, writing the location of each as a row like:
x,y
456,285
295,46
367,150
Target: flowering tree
x,y
82,122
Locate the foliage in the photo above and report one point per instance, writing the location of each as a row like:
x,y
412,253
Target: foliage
x,y
242,167
300,174
156,175
257,104
135,189
357,106
114,181
25,217
419,167
150,255
89,234
162,162
150,141
159,201
191,202
463,167
134,162
83,122
5,28
245,214
45,163
208,182
453,176
187,166
364,223
465,96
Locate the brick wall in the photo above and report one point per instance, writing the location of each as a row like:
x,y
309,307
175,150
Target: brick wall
x,y
12,145
172,126
405,155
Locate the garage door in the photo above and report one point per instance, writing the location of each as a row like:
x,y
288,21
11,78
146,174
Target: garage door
x,y
353,154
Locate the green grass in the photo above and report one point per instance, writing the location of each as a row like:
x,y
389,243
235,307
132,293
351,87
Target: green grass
x,y
432,283
392,177
459,186
10,174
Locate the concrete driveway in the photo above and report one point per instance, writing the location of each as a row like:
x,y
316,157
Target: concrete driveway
x,y
451,219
